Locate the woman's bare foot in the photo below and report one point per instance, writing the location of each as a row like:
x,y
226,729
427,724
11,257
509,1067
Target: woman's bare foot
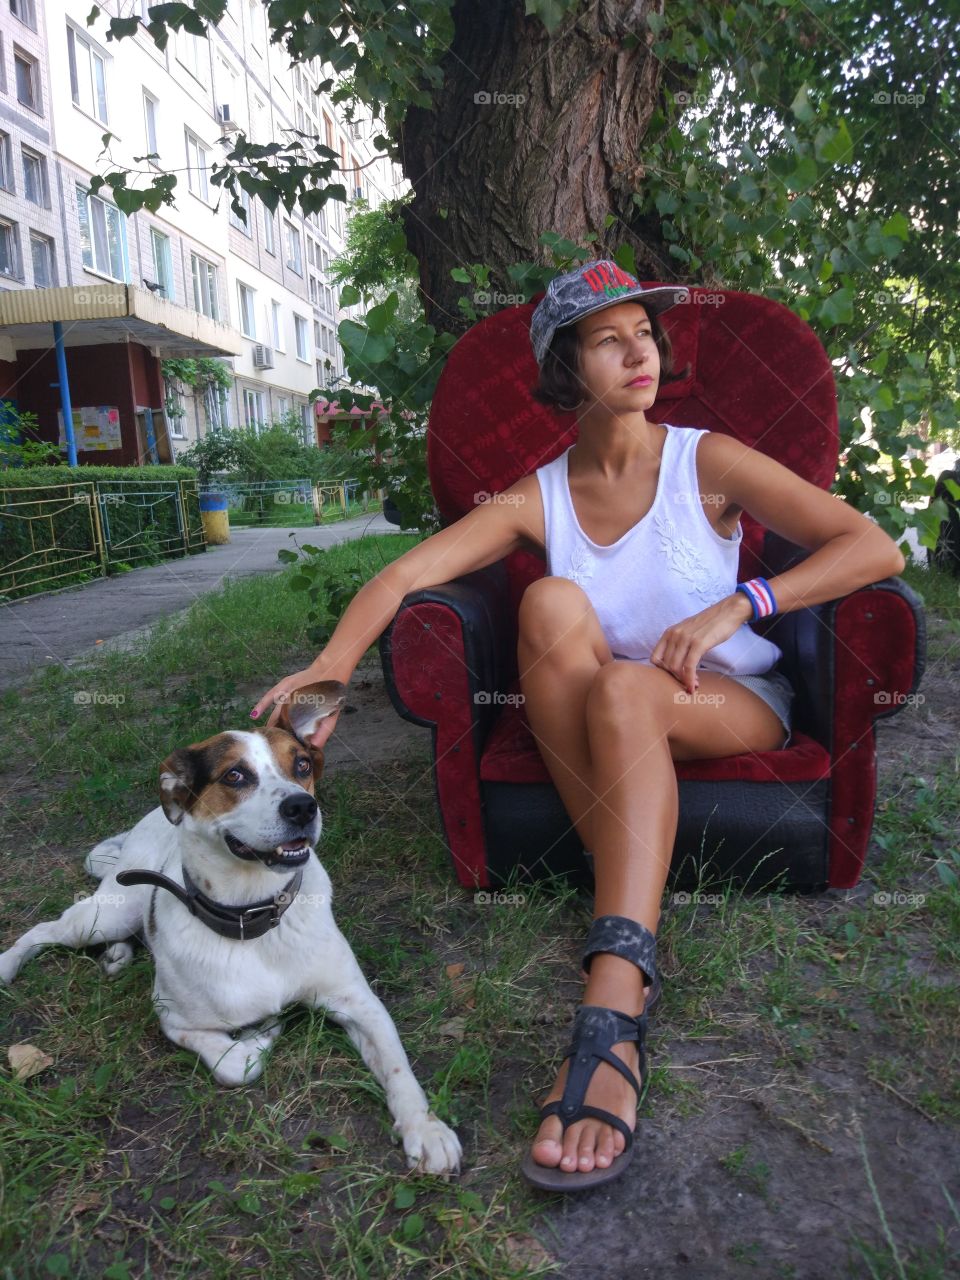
x,y
590,1142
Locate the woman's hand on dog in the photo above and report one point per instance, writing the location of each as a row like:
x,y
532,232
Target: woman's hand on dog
x,y
282,690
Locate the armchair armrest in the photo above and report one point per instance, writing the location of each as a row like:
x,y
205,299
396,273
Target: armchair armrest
x,y
455,644
852,660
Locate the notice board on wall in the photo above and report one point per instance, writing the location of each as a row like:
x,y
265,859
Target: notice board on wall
x,y
95,427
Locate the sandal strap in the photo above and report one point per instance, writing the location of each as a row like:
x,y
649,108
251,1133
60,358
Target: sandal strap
x,y
621,936
595,1030
598,1113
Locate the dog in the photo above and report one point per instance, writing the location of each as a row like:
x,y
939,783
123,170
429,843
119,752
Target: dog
x,y
222,882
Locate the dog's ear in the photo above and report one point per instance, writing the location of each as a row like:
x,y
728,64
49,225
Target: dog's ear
x,y
179,782
308,705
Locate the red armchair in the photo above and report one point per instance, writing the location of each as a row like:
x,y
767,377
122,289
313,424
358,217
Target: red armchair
x,y
799,818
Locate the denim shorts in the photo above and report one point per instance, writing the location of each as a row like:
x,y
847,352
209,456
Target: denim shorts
x,y
776,691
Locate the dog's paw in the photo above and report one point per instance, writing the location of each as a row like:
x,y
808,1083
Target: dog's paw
x,y
8,969
243,1062
431,1146
116,957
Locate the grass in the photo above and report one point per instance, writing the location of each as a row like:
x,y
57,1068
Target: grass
x,y
124,1159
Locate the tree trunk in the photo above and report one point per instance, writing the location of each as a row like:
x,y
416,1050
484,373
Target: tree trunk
x,y
560,158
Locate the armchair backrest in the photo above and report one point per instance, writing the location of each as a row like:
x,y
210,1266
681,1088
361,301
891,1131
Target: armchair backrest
x,y
757,372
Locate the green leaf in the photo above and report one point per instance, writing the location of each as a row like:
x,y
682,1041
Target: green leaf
x,y
350,295
897,225
801,107
403,1197
461,276
835,146
804,175
837,308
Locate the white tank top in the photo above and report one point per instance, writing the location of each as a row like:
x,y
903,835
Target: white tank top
x,y
669,566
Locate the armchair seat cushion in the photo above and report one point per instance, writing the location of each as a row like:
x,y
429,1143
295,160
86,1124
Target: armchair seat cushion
x,y
511,754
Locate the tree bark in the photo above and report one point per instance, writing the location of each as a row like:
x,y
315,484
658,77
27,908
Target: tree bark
x,y
561,159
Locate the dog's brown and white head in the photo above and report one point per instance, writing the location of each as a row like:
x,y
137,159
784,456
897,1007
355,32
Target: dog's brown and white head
x,y
253,791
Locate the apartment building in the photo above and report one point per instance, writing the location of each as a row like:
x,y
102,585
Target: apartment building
x,y
190,280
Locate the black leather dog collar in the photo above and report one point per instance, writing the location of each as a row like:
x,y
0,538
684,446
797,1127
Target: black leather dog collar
x,y
228,921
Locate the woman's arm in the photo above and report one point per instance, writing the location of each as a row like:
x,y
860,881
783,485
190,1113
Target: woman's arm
x,y
849,551
486,534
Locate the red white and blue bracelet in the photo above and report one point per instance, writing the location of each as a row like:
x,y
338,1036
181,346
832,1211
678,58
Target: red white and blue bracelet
x,y
762,599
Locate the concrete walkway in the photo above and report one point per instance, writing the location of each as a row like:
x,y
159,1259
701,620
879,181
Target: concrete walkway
x,y
53,628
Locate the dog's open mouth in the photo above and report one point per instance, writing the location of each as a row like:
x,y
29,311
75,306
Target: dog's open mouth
x,y
291,853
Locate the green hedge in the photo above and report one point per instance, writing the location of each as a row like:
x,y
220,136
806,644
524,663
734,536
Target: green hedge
x,y
27,477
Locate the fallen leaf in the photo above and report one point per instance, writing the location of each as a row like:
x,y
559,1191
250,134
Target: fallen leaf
x,y
455,970
527,1250
454,1027
27,1060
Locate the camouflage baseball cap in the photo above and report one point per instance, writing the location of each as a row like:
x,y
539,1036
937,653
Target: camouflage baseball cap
x,y
588,288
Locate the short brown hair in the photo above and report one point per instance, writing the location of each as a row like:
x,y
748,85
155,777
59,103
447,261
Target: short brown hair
x,y
560,387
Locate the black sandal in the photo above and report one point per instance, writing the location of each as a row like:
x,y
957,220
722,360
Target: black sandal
x,y
602,1028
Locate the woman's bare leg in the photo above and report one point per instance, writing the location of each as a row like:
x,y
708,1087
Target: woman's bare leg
x,y
561,648
635,728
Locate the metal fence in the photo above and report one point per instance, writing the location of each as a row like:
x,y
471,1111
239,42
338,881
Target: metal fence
x,y
58,535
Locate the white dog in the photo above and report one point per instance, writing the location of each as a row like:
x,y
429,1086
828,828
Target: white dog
x,y
238,816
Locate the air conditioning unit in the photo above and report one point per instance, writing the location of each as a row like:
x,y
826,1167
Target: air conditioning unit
x,y
262,357
223,115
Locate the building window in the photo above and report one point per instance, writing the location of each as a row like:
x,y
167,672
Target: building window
x,y
174,408
300,327
322,220
277,326
192,54
28,79
9,249
162,263
198,161
236,220
306,420
294,250
253,408
248,323
317,342
283,406
102,235
150,110
215,407
44,267
205,287
35,178
88,80
314,291
269,241
26,11
6,163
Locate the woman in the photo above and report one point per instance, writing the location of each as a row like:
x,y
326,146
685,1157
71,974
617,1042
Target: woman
x,y
641,619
